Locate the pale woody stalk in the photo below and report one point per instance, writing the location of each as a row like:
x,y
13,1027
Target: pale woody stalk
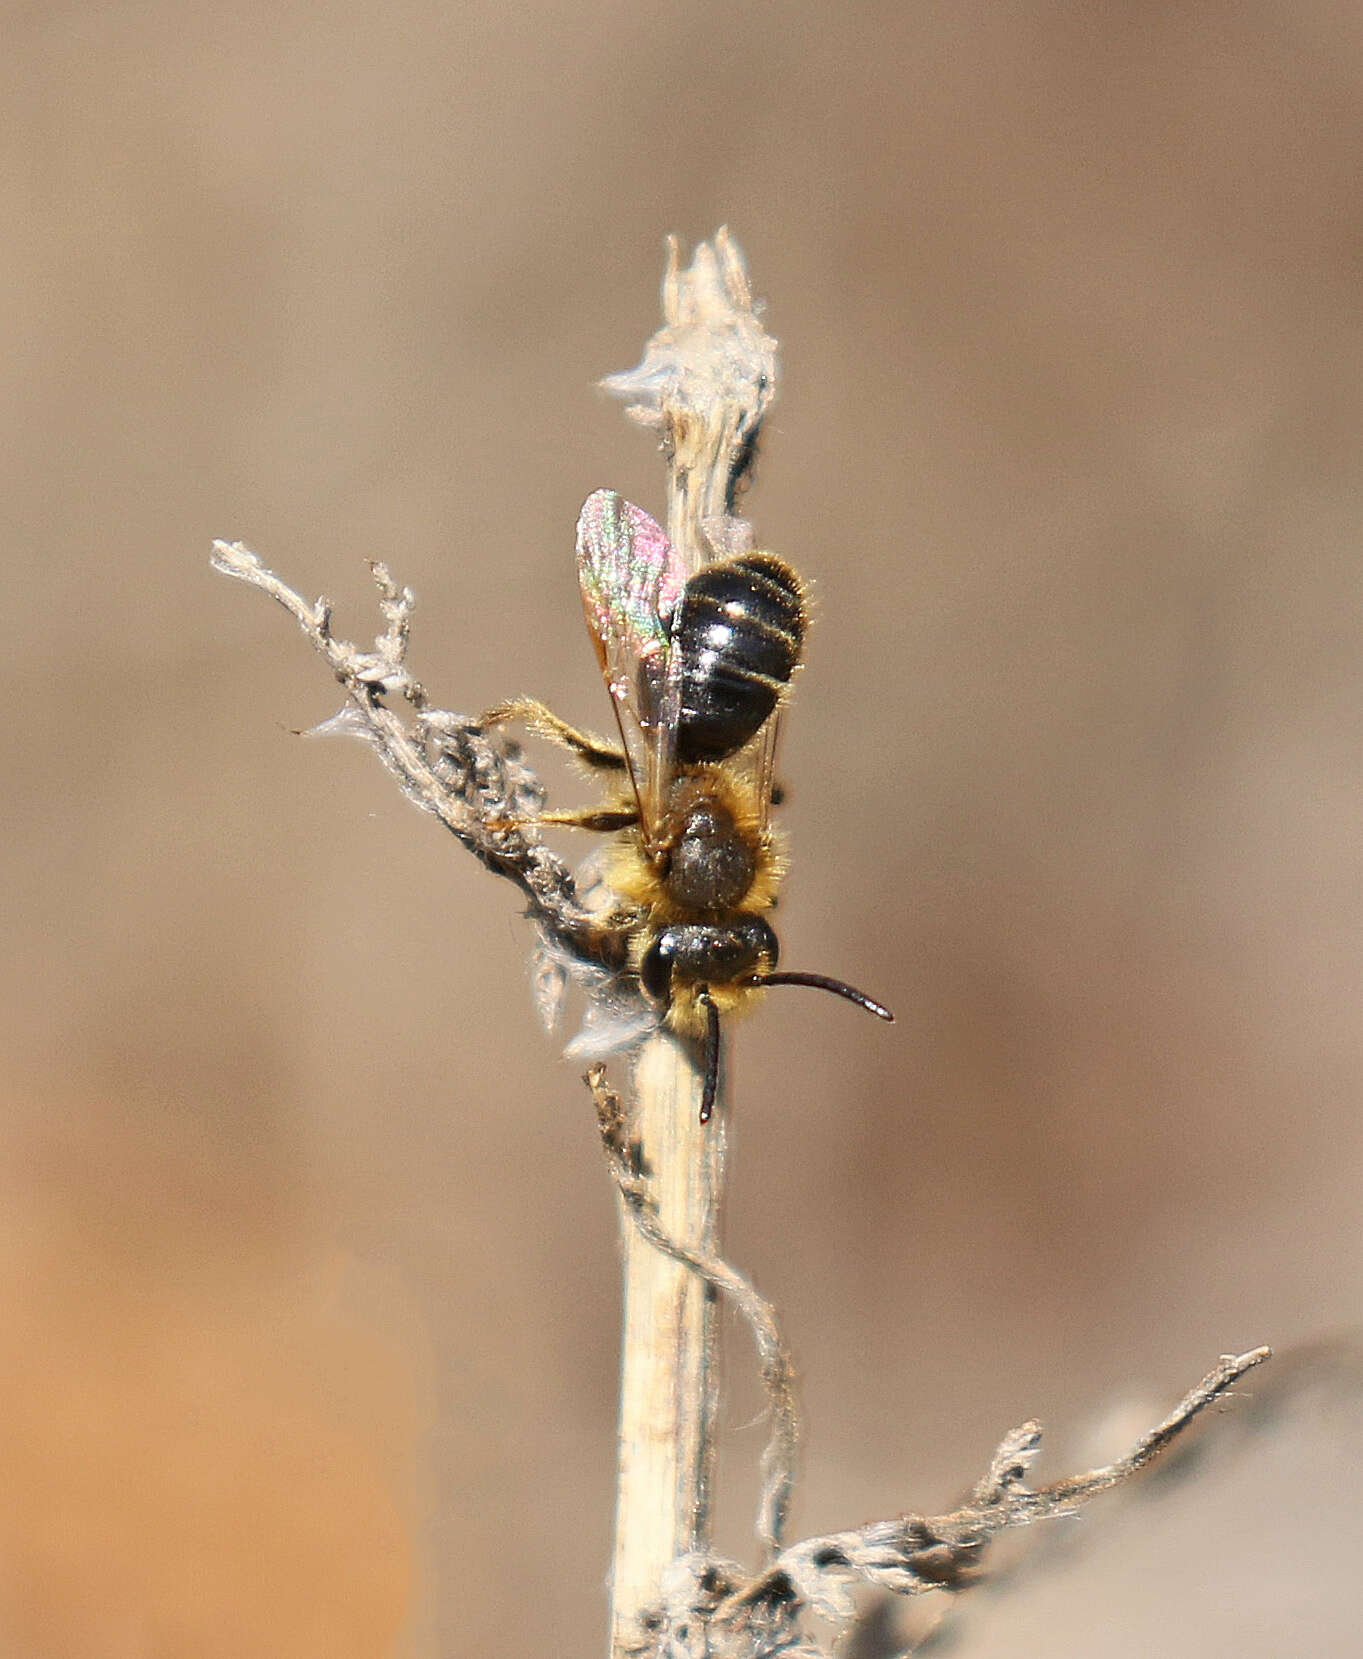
x,y
705,382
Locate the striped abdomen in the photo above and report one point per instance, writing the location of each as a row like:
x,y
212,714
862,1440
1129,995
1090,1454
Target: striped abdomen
x,y
737,635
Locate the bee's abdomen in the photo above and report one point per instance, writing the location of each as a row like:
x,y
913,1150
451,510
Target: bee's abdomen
x,y
738,633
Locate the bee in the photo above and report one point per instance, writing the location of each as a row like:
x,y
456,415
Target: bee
x,y
698,665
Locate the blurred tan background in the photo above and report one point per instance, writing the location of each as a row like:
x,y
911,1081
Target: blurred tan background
x,y
307,1285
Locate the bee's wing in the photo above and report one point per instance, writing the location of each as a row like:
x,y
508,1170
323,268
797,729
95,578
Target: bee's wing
x,y
756,763
631,577
761,757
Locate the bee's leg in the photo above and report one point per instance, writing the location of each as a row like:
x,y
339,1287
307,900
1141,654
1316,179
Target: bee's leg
x,y
604,819
711,1085
543,722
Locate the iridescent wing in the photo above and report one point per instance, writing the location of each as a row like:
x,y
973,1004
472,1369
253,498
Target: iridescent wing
x,y
631,577
759,761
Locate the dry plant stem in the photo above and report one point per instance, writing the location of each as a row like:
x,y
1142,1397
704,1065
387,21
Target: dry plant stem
x,y
639,1199
710,1608
704,382
476,784
668,1360
911,1554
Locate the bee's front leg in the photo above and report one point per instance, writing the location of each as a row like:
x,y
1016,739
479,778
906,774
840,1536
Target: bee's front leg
x,y
606,820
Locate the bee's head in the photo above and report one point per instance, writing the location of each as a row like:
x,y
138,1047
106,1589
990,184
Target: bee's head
x,y
698,969
693,954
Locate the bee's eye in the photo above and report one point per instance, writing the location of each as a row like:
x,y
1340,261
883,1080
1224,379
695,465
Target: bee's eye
x,y
655,971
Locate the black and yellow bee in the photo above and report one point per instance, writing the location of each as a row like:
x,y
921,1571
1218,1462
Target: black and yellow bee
x,y
698,665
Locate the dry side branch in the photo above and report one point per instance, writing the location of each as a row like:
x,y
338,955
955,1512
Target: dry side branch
x,y
474,782
709,1607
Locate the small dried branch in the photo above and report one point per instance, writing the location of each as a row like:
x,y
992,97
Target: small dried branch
x,y
710,1608
625,1161
705,382
477,785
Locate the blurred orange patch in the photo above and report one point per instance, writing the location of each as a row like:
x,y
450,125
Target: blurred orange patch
x,y
204,1452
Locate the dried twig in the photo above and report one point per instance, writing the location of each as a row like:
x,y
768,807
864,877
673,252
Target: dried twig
x,y
709,1607
625,1160
476,785
704,383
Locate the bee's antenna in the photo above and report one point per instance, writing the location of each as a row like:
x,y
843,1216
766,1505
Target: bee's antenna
x,y
711,1089
821,982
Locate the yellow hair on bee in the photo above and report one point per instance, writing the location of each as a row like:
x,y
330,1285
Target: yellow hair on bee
x,y
686,1014
639,878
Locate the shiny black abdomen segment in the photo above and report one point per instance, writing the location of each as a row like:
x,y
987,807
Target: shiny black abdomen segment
x,y
737,636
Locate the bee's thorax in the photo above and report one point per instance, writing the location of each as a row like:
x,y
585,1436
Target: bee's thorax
x,y
707,863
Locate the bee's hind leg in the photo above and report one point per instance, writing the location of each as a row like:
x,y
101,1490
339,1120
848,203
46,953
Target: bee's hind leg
x,y
540,721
